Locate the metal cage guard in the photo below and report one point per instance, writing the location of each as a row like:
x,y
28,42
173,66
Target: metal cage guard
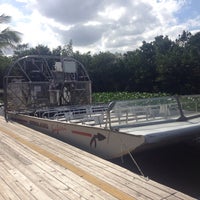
x,y
37,81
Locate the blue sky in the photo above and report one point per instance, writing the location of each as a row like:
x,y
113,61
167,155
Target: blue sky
x,y
190,10
100,25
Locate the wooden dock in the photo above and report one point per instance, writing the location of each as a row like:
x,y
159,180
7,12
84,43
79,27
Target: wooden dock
x,y
36,166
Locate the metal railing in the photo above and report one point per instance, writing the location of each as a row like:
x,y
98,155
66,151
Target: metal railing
x,y
123,113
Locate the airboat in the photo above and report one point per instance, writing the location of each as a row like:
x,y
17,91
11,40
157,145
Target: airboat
x,y
52,94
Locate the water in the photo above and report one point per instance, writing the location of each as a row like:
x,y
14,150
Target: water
x,y
176,166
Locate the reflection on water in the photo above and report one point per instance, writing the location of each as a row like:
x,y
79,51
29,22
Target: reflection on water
x,y
176,166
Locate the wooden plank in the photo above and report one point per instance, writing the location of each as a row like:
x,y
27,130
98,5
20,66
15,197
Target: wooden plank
x,y
119,181
113,174
107,173
6,192
1,197
94,180
129,191
14,183
36,191
29,180
181,196
44,165
173,197
50,185
115,179
90,193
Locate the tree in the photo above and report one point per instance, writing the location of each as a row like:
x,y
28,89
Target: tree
x,y
193,62
24,50
21,50
57,51
162,65
183,38
8,37
4,64
67,50
145,72
102,72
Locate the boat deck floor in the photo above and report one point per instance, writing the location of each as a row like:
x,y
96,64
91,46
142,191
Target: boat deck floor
x,y
141,126
163,126
36,166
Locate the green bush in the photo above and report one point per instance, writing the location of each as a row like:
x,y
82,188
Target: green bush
x,y
106,97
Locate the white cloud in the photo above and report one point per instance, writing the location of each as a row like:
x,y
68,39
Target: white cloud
x,y
113,25
112,13
10,10
38,31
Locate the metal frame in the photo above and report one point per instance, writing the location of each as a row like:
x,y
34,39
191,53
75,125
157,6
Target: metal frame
x,y
32,82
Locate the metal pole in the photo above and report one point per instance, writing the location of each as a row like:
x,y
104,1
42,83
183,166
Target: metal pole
x,y
182,117
5,81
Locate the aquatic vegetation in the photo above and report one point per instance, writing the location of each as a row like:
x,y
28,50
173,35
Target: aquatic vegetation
x,y
105,97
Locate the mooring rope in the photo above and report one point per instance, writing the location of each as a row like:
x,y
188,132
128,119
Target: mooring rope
x,y
134,161
138,167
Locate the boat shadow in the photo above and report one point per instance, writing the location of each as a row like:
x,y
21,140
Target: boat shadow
x,y
176,166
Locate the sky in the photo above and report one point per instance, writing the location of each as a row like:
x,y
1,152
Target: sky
x,y
100,25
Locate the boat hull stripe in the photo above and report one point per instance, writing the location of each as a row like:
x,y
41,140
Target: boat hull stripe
x,y
82,133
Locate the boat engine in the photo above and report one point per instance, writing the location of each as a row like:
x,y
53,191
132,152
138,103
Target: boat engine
x,y
38,81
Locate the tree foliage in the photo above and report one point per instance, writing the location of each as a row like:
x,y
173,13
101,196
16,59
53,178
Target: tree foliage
x,y
4,64
8,37
162,65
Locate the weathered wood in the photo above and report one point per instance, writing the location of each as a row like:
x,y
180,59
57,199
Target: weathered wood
x,y
44,173
13,183
7,192
36,166
99,170
91,194
145,186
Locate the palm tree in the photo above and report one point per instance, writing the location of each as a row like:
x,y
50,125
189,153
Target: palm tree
x,y
8,37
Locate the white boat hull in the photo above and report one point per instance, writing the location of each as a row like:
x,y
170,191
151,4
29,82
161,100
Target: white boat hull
x,y
102,142
111,144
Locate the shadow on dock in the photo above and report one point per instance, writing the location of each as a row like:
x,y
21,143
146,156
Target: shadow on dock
x,y
176,166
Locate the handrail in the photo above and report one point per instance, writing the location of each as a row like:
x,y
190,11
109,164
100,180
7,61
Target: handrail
x,y
178,108
128,113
